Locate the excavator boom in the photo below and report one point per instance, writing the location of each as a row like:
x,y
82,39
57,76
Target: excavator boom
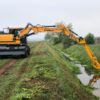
x,y
18,37
72,35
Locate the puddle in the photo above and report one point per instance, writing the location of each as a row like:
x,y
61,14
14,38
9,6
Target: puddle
x,y
96,91
85,78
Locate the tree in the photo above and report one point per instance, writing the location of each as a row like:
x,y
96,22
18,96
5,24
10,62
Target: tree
x,y
89,38
60,38
55,40
48,36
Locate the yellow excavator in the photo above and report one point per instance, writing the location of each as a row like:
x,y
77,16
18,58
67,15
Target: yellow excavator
x,y
13,41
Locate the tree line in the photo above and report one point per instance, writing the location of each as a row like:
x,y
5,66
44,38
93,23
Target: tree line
x,y
65,40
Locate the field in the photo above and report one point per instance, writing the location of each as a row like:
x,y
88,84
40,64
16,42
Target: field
x,y
44,75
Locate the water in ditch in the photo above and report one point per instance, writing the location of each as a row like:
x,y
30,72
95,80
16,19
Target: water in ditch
x,y
85,78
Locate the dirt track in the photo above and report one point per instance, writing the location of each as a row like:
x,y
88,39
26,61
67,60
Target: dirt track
x,y
7,66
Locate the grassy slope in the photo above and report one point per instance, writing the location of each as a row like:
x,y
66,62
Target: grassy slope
x,y
45,75
49,78
80,54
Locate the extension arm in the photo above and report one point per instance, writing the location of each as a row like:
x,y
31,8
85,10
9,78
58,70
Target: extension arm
x,y
82,41
25,31
36,29
67,32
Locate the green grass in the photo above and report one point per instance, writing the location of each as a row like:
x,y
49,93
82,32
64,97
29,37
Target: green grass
x,y
80,54
9,79
45,75
50,78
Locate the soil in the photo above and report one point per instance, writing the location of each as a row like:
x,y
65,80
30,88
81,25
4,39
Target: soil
x,y
7,66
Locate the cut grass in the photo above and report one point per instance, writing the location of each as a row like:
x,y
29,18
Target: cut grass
x,y
50,78
45,75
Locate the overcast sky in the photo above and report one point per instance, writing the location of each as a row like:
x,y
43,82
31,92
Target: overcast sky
x,y
83,14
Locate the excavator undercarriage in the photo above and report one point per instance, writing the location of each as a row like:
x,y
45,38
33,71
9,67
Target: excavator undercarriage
x,y
12,46
14,50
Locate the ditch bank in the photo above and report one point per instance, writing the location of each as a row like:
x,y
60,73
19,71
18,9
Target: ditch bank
x,y
83,76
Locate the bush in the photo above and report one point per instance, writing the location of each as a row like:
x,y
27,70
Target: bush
x,y
89,38
60,38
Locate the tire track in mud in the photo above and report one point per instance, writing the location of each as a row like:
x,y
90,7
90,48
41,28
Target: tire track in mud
x,y
24,67
39,46
7,66
11,62
20,71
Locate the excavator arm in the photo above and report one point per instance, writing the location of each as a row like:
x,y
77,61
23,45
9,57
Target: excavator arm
x,y
82,41
37,29
58,29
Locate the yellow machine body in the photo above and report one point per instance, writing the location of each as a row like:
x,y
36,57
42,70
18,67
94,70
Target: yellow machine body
x,y
16,44
8,39
22,33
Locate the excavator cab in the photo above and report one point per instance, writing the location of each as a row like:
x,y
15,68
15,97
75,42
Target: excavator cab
x,y
5,31
11,44
14,30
